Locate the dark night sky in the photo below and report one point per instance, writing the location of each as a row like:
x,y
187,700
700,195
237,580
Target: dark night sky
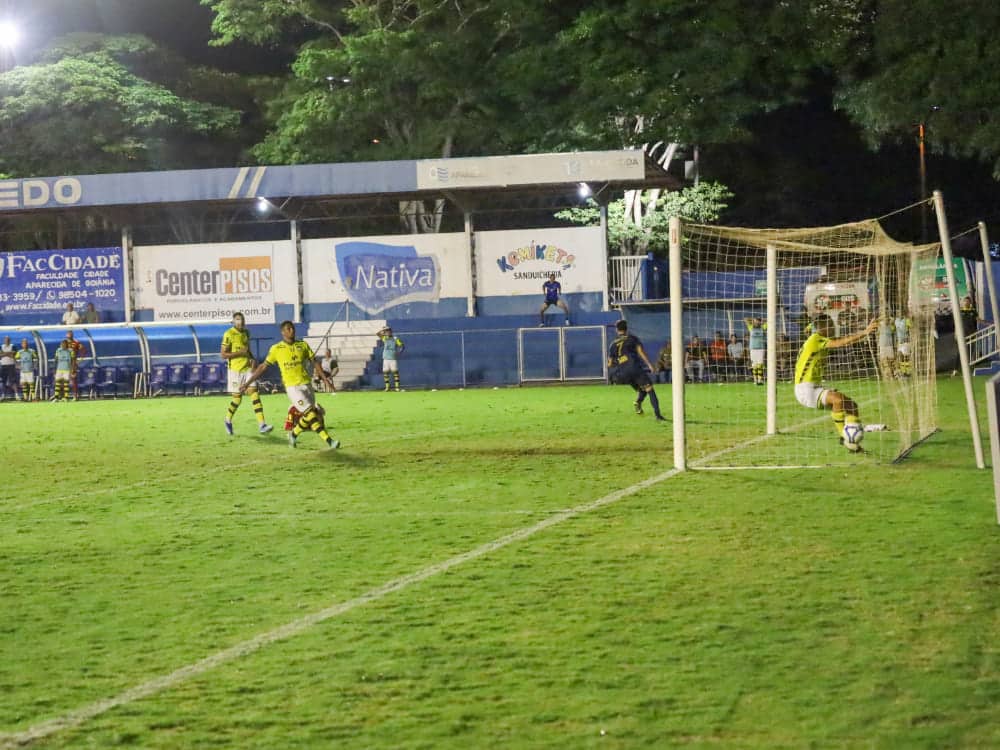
x,y
182,25
805,165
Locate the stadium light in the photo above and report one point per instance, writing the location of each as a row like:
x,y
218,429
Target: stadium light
x,y
584,191
10,35
264,206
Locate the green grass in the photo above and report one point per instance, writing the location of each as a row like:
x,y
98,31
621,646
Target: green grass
x,y
853,606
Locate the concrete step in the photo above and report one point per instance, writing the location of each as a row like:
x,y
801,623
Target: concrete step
x,y
352,344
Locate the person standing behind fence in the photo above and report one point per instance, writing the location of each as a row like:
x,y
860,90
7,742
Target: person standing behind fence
x,y
26,359
392,347
71,317
552,289
8,370
90,314
236,352
758,345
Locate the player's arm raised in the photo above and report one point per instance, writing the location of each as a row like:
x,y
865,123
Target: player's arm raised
x,y
854,337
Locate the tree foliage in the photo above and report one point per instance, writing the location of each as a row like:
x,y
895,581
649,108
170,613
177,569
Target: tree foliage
x,y
92,103
932,63
702,203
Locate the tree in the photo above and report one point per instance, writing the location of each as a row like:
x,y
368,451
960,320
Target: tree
x,y
94,104
703,204
928,62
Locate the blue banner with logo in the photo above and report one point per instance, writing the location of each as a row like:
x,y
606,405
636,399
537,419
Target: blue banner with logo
x,y
377,276
36,285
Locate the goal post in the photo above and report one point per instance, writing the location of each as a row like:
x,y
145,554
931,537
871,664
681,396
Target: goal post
x,y
727,283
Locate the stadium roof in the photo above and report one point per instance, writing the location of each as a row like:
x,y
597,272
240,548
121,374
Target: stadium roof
x,y
424,178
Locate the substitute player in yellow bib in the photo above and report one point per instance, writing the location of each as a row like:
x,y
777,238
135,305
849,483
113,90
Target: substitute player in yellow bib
x,y
809,390
236,353
292,358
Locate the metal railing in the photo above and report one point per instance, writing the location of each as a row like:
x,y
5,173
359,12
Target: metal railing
x,y
982,345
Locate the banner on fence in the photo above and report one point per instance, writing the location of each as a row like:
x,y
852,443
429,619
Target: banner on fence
x,y
41,282
520,261
210,282
377,273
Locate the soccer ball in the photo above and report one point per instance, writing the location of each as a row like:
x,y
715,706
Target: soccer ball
x,y
854,433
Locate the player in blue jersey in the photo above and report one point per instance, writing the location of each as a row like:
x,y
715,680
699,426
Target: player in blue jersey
x,y
26,359
64,358
629,365
552,289
392,347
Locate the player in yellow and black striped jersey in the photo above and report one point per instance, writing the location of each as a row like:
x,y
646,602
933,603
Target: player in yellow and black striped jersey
x,y
236,353
629,365
293,359
809,390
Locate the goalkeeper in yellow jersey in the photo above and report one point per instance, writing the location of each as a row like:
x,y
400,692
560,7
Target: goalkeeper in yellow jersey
x,y
293,358
809,390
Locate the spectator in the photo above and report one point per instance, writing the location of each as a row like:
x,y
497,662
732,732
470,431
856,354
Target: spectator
x,y
695,358
552,290
737,353
886,349
664,362
757,331
717,355
392,347
71,317
90,315
331,367
8,370
786,354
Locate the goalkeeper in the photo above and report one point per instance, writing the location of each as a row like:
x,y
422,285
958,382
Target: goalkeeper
x,y
809,390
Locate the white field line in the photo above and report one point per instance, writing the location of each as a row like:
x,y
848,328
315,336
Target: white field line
x,y
262,460
158,684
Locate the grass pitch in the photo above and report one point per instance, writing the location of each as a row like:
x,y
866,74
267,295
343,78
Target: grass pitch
x,y
466,572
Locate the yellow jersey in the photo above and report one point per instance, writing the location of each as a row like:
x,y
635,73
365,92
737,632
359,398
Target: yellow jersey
x,y
292,359
812,358
237,340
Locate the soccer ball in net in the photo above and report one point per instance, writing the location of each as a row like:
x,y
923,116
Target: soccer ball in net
x,y
854,433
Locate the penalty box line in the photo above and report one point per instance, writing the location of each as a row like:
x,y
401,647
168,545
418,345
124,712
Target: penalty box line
x,y
156,685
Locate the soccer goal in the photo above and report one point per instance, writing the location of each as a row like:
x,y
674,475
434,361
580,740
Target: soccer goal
x,y
788,283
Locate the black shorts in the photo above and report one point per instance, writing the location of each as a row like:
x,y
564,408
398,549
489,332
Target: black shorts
x,y
637,377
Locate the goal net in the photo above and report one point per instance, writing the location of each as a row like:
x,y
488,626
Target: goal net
x,y
752,297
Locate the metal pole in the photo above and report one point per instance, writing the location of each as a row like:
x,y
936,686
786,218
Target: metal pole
x,y
921,149
127,292
677,344
956,313
984,241
605,306
772,340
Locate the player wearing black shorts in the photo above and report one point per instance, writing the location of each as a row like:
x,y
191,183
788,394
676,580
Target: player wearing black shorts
x,y
629,365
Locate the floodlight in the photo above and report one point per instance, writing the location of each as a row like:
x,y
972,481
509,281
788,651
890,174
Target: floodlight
x,y
10,35
264,206
584,190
